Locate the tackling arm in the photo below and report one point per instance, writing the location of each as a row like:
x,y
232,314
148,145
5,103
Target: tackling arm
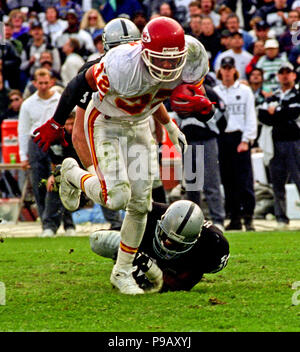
x,y
52,131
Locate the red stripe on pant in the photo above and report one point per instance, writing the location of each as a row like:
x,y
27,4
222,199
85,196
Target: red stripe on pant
x,y
91,120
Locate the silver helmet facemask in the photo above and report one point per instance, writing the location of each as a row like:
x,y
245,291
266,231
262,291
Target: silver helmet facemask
x,y
178,230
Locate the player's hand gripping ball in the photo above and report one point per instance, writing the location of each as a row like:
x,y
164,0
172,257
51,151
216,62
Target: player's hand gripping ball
x,y
187,99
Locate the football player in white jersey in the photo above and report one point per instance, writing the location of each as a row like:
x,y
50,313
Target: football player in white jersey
x,y
131,82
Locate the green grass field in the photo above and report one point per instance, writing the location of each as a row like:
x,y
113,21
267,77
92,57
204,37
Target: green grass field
x,y
59,284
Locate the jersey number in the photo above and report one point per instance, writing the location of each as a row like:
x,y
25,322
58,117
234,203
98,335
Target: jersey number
x,y
84,98
137,105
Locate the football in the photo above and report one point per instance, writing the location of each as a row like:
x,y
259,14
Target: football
x,y
179,92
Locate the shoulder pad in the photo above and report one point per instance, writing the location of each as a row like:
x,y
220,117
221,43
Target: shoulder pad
x,y
197,64
124,68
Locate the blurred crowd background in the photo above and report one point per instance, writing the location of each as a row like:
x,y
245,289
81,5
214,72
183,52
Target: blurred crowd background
x,y
261,35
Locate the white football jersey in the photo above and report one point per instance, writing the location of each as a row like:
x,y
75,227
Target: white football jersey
x,y
126,90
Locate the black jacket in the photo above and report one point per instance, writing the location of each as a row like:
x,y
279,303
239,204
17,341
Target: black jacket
x,y
286,119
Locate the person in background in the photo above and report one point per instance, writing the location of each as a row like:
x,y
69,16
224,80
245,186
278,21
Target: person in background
x,y
194,27
238,133
64,6
34,111
15,102
20,30
207,9
45,61
55,214
270,63
139,18
258,52
285,40
4,100
121,8
165,9
73,60
73,31
8,37
205,134
256,80
224,11
276,15
210,38
248,9
194,8
282,111
37,44
53,26
262,31
233,25
240,55
9,65
98,42
92,21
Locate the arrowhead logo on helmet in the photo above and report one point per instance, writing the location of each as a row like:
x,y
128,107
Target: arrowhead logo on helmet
x,y
145,36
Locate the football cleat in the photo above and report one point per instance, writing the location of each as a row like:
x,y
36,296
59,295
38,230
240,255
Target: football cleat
x,y
69,194
122,279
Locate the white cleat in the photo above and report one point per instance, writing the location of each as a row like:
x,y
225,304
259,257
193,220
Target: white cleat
x,y
69,194
122,279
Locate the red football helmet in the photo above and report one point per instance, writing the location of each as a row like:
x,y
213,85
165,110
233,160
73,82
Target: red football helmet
x,y
164,51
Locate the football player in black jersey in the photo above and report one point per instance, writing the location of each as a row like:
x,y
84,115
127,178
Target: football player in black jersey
x,y
178,247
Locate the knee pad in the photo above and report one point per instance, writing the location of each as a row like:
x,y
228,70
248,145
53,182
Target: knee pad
x,y
105,243
119,196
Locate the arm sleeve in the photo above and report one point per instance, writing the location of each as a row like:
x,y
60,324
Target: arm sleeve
x,y
72,94
287,110
263,114
250,132
23,132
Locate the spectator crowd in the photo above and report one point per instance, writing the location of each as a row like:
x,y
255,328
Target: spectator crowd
x,y
254,57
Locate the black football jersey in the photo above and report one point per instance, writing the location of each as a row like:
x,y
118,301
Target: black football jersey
x,y
87,96
208,255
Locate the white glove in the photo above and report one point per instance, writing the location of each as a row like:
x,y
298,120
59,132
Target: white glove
x,y
176,137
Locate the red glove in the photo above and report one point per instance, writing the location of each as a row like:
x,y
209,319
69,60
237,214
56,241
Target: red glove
x,y
188,98
49,133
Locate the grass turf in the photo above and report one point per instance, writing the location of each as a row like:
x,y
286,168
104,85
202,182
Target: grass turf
x,y
59,284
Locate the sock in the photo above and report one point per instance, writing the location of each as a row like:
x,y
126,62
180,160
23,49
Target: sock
x,y
87,182
132,232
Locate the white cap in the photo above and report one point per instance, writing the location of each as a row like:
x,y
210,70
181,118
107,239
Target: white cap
x,y
271,43
296,4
